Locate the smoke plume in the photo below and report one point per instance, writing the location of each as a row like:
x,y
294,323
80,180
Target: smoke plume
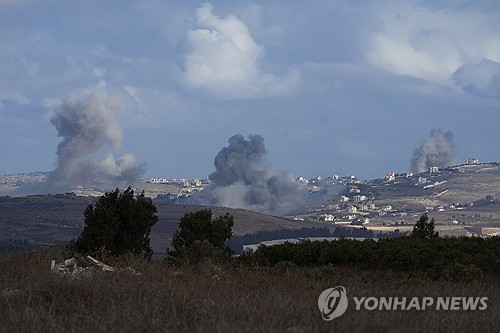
x,y
437,151
243,178
86,126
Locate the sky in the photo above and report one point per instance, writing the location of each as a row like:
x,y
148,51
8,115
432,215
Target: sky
x,y
334,87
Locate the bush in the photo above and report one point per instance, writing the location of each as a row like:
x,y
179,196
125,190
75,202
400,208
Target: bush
x,y
424,229
465,257
119,223
199,236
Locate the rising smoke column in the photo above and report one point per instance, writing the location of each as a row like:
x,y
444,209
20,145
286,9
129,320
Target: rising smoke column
x,y
244,179
87,125
437,151
241,161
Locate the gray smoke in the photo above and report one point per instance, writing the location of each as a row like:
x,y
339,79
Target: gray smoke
x,y
437,151
244,179
86,126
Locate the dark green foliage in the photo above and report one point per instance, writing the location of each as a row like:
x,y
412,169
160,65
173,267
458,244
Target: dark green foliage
x,y
445,257
119,223
236,242
424,229
201,236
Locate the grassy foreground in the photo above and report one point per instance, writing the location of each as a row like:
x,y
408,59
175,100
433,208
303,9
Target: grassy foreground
x,y
207,298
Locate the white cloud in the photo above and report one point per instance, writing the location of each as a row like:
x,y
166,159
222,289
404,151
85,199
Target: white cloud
x,y
401,56
224,61
432,43
481,79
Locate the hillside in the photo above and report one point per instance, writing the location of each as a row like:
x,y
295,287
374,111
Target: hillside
x,y
463,199
56,218
462,184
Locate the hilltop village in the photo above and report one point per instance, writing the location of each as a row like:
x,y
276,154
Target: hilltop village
x,y
456,195
464,199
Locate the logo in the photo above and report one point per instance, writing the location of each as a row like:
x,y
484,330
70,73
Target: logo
x,y
333,303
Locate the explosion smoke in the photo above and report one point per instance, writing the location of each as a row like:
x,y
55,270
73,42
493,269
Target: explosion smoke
x,y
437,151
244,179
86,125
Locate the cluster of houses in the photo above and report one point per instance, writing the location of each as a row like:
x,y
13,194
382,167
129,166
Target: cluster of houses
x,y
186,183
185,187
356,203
355,211
10,182
352,208
355,207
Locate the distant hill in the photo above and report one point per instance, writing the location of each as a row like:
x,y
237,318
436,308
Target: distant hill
x,y
465,194
58,218
463,184
463,200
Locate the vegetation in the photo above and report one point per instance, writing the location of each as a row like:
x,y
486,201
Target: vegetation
x,y
119,223
462,258
233,299
423,253
274,289
236,242
424,229
201,236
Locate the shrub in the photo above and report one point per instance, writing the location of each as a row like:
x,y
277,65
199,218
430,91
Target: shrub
x,y
199,236
119,223
424,229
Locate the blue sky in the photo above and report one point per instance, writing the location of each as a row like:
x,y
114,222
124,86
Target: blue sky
x,y
334,87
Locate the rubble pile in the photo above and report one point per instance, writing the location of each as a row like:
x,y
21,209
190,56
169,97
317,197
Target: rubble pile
x,y
91,265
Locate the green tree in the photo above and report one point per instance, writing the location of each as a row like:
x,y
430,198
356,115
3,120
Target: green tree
x,y
424,229
118,223
201,236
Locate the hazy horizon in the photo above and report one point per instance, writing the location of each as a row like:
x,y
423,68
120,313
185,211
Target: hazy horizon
x,y
333,87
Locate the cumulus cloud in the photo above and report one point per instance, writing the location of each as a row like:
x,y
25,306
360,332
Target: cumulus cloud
x,y
224,61
437,151
402,56
431,41
482,79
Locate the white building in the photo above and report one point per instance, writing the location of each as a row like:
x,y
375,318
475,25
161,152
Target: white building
x,y
390,177
343,198
327,218
387,208
352,209
359,198
303,180
472,161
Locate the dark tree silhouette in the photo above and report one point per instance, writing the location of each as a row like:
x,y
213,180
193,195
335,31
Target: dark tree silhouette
x,y
424,229
200,235
119,223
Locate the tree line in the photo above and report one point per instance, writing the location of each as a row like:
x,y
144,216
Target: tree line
x,y
120,222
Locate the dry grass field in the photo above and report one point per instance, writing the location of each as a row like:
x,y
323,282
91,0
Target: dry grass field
x,y
209,298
